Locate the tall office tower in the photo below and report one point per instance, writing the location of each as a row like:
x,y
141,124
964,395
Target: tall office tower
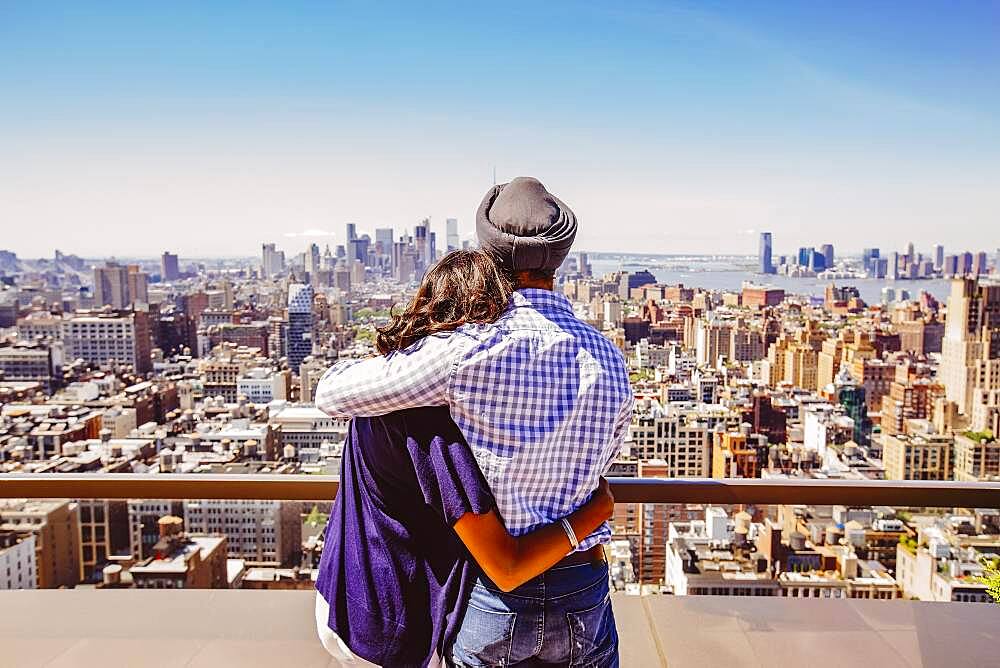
x,y
765,263
351,232
138,285
277,337
892,271
965,263
432,243
357,249
805,256
451,227
586,270
383,240
869,260
111,286
313,259
970,351
853,398
169,270
713,339
910,252
827,251
272,261
408,268
299,342
979,264
422,241
950,267
938,257
817,262
398,248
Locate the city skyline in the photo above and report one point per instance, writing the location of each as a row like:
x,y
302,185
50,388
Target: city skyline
x,y
294,244
679,129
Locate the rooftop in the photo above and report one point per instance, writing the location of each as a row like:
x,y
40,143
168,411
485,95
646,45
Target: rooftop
x,y
222,627
241,628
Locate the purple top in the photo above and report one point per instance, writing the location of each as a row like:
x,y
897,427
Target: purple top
x,y
395,574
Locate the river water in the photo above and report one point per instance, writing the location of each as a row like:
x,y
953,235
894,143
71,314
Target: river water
x,y
732,280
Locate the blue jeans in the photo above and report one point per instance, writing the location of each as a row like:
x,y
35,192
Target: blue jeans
x,y
563,617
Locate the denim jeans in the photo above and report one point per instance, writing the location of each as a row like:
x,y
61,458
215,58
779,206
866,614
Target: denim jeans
x,y
563,617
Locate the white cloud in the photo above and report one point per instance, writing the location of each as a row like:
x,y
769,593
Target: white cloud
x,y
312,232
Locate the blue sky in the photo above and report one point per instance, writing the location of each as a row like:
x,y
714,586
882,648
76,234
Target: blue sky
x,y
670,127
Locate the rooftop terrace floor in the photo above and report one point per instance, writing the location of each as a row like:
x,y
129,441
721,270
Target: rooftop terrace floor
x,y
251,628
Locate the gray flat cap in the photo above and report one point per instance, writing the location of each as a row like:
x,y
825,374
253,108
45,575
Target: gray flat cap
x,y
524,226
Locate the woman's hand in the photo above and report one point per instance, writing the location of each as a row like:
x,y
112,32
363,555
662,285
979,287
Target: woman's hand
x,y
603,498
510,562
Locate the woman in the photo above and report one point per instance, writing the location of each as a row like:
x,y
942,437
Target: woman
x,y
414,516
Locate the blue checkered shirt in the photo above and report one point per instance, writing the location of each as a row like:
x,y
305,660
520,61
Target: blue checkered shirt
x,y
542,398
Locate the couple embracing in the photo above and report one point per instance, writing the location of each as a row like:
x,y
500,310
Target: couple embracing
x,y
472,512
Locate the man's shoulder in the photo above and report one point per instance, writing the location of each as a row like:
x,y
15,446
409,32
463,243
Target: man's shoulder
x,y
597,339
562,324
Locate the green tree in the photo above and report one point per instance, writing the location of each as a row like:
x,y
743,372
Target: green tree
x,y
314,518
991,577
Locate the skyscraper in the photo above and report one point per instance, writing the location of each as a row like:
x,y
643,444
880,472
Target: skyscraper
x,y
383,248
851,396
965,263
764,254
357,249
870,259
422,240
169,270
938,257
120,287
272,261
111,286
313,259
817,262
805,256
138,285
970,351
383,240
300,325
979,264
451,225
949,268
350,233
827,251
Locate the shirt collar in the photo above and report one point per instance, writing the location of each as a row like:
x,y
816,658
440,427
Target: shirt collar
x,y
541,300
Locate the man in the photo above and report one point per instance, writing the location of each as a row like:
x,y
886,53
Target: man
x,y
542,398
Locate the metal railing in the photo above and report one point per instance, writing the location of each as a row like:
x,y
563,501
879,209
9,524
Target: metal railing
x,y
626,490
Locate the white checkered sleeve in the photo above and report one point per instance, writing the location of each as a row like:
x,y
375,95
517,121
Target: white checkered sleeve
x,y
621,427
414,377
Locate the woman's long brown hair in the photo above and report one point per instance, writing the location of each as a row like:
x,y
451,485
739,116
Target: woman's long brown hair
x,y
465,286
